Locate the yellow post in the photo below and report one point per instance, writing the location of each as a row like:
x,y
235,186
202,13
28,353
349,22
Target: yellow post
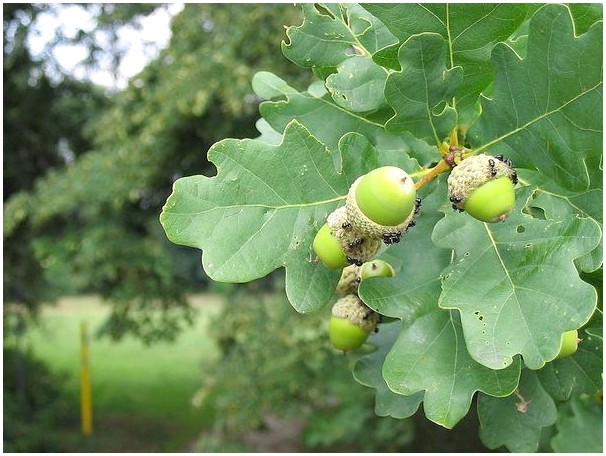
x,y
86,402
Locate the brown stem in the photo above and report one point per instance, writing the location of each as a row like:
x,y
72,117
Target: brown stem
x,y
441,167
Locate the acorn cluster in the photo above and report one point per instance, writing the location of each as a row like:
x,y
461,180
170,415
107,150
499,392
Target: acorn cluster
x,y
352,321
380,207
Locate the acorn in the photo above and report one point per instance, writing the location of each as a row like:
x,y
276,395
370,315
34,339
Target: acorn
x,y
376,268
484,187
569,344
351,323
382,203
328,248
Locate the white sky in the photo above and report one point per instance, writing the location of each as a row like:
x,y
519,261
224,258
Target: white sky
x,y
143,45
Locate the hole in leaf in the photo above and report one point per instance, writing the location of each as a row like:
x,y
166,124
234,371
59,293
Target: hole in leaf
x,y
535,212
528,245
323,11
520,229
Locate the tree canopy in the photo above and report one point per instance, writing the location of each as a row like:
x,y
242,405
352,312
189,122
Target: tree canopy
x,y
90,223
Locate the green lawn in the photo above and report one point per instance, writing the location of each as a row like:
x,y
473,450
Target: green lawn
x,y
141,393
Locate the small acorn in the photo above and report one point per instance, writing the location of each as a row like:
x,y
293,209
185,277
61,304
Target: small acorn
x,y
569,344
484,187
351,323
376,268
328,248
382,203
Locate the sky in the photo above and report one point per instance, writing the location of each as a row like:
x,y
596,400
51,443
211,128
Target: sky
x,y
143,45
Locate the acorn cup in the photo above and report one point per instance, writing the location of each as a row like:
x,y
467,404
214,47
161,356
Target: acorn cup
x,y
357,245
349,281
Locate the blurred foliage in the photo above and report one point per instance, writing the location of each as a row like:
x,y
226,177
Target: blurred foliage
x,y
34,405
276,362
92,224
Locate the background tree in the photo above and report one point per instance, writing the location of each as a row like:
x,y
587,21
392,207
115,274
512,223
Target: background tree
x,y
92,225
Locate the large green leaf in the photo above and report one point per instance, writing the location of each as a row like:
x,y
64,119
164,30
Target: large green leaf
x,y
420,91
545,111
515,283
430,355
516,421
265,205
367,371
470,30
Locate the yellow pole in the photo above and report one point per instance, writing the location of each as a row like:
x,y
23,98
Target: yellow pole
x,y
86,402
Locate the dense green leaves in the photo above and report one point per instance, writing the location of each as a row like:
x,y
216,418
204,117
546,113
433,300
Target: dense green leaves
x,y
542,110
481,306
95,222
470,32
431,340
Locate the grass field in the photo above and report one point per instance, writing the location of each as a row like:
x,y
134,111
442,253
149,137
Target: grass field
x,y
141,394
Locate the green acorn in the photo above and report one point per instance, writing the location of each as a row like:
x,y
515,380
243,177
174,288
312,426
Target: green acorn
x,y
569,344
351,323
376,268
328,248
382,204
484,186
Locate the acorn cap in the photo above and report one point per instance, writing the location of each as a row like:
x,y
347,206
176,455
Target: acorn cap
x,y
362,223
472,173
357,245
353,309
349,281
